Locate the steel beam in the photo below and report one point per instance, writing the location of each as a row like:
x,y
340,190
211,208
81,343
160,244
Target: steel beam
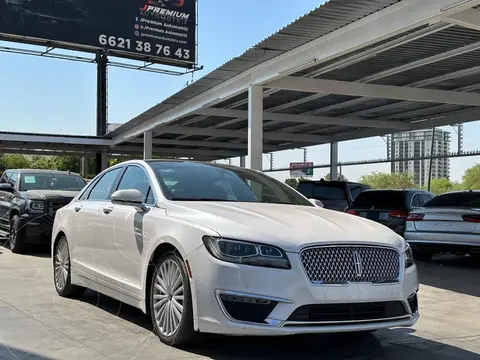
x,y
241,134
255,128
456,118
204,144
179,152
334,161
317,120
67,140
147,145
376,91
469,19
392,21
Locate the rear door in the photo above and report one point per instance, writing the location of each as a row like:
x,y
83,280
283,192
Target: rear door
x,y
455,212
385,207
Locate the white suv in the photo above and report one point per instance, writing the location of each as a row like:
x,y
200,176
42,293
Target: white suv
x,y
218,249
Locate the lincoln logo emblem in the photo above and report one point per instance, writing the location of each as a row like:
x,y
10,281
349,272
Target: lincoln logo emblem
x,y
357,263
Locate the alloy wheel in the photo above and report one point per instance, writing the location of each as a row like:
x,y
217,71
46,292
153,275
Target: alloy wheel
x,y
168,297
13,234
62,265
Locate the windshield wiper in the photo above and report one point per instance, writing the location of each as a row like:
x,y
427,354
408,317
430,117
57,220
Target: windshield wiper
x,y
202,199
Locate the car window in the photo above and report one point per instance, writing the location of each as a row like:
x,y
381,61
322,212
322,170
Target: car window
x,y
466,199
426,198
416,201
51,181
5,176
102,190
187,181
136,178
13,179
322,191
380,199
355,190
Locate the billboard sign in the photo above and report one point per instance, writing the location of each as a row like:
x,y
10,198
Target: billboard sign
x,y
301,169
160,31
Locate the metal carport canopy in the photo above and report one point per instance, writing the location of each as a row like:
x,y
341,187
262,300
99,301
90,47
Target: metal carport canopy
x,y
349,69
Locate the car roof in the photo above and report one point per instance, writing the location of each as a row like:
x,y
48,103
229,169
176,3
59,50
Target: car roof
x,y
43,171
334,182
399,190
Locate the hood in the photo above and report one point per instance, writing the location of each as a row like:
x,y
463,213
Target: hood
x,y
51,194
287,226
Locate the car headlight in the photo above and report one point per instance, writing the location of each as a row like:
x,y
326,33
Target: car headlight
x,y
408,256
246,253
37,206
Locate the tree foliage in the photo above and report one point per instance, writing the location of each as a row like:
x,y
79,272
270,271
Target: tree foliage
x,y
471,178
341,177
292,183
388,181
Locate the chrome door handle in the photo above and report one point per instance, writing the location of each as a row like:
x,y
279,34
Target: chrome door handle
x,y
107,210
77,208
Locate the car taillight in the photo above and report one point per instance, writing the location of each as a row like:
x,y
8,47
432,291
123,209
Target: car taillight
x,y
471,218
398,214
351,212
415,217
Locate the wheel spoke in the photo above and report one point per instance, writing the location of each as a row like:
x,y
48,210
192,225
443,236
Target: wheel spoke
x,y
168,297
160,303
162,284
177,305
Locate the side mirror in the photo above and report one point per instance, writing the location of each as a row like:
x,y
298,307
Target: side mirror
x,y
7,187
131,197
316,203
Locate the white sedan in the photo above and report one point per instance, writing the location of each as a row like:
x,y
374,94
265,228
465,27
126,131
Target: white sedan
x,y
211,248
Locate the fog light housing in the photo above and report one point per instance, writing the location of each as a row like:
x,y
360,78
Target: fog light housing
x,y
246,308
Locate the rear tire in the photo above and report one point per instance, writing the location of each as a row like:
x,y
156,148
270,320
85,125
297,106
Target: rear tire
x,y
62,271
171,301
422,255
16,239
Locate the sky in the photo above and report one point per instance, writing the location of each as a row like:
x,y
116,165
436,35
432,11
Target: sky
x,y
41,95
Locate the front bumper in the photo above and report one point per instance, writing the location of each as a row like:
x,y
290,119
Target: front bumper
x,y
288,291
38,228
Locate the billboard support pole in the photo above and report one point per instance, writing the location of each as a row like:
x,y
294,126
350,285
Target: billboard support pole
x,y
102,78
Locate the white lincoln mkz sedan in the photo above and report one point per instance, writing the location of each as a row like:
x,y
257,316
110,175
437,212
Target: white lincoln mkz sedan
x,y
211,248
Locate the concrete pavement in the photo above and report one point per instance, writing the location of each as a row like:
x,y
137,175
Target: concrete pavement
x,y
37,324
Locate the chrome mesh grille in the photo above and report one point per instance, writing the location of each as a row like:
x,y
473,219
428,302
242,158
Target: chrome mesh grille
x,y
347,264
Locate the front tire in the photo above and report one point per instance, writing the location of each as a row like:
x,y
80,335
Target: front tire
x,y
171,301
62,271
16,240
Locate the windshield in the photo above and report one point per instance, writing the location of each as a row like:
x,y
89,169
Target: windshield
x,y
322,191
466,199
188,181
380,200
46,181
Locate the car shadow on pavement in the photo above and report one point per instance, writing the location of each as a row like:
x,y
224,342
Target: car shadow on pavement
x,y
455,273
117,308
396,344
12,353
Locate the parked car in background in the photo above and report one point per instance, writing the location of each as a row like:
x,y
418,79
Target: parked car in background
x,y
29,200
335,195
214,248
449,223
389,207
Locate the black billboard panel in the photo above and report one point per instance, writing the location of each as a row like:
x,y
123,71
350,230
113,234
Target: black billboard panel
x,y
161,31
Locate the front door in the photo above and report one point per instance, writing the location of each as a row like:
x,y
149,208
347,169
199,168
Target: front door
x,y
84,222
122,233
